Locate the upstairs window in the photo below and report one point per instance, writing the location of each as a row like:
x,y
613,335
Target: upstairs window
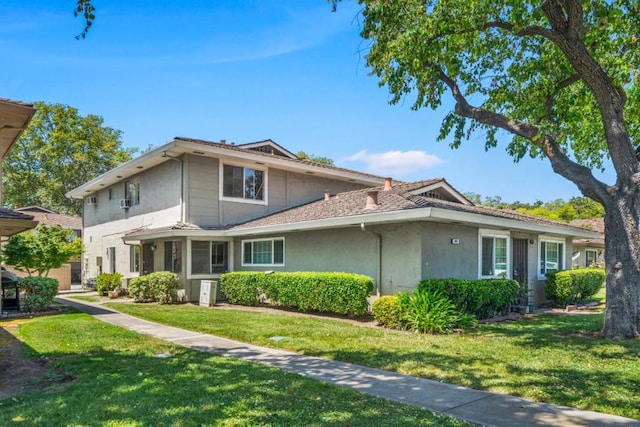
x,y
132,191
243,183
263,252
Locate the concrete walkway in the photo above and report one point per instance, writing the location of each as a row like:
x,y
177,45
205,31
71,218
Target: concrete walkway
x,y
479,407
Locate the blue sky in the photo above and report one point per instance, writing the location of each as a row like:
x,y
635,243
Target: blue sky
x,y
246,71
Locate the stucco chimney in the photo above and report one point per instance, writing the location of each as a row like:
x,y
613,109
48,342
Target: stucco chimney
x,y
372,199
327,194
223,141
388,183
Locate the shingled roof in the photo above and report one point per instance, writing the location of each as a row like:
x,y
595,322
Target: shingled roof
x,y
400,197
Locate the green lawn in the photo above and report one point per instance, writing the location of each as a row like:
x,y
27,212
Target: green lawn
x,y
551,358
102,375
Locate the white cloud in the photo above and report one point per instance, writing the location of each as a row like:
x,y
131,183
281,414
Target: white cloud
x,y
394,163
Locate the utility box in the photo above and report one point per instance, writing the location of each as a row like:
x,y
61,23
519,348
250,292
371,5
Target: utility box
x,y
208,291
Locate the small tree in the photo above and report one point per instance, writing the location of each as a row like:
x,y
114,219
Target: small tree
x,y
35,252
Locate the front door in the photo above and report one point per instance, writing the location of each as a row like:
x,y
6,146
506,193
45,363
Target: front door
x,y
147,258
521,267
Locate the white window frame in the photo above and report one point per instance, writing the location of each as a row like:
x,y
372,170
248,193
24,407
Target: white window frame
x,y
135,258
135,183
265,183
586,256
190,274
494,234
562,256
272,264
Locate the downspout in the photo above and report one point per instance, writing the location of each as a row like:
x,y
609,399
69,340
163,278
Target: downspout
x,y
363,227
182,202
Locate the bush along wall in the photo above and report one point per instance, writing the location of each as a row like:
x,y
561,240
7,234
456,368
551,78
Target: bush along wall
x,y
161,286
570,286
39,292
342,293
421,311
106,282
484,298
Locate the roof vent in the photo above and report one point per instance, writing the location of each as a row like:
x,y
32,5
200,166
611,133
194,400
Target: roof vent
x,y
372,199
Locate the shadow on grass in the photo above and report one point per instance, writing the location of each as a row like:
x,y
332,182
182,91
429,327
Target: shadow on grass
x,y
154,383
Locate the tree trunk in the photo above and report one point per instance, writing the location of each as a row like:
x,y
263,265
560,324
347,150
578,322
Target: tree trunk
x,y
622,258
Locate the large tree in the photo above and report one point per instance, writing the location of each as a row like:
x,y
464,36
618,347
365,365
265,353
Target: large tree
x,y
560,76
59,151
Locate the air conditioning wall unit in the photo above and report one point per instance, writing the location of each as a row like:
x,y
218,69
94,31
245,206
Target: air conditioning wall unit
x,y
125,203
92,201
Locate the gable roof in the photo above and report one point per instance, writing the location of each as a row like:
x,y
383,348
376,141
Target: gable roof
x,y
49,217
246,153
593,224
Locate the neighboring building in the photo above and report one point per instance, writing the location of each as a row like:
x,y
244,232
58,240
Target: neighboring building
x,y
588,252
201,208
69,273
14,118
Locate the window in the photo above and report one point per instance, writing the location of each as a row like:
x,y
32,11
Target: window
x,y
591,257
493,255
132,191
551,256
263,252
111,194
111,259
209,257
134,258
173,256
244,183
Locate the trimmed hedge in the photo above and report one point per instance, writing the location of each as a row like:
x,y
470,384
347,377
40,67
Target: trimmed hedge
x,y
343,293
161,286
106,282
484,298
39,292
569,286
387,311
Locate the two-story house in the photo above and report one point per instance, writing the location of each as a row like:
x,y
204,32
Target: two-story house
x,y
201,208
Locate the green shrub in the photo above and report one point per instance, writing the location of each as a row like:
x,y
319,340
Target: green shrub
x,y
484,298
39,292
165,286
432,312
106,282
242,287
386,311
139,289
343,293
571,286
161,286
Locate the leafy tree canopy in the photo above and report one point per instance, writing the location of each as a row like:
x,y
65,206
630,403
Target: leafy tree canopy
x,y
561,77
38,251
314,158
59,151
575,208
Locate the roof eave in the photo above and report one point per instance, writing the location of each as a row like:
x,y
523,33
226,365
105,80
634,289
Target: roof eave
x,y
418,214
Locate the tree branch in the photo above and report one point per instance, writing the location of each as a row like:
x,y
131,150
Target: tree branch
x,y
560,162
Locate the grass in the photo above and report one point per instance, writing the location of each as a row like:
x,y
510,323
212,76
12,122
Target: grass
x,y
108,376
86,298
550,358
